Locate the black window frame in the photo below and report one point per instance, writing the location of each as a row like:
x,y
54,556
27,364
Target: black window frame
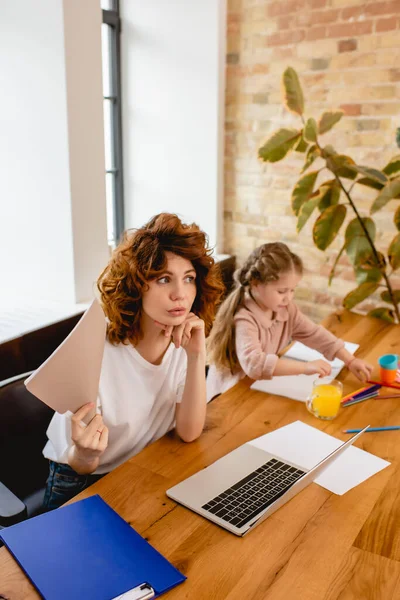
x,y
111,17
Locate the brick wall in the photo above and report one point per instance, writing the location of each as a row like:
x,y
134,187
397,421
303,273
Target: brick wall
x,y
347,55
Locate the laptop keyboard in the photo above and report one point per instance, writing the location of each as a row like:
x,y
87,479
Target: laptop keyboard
x,y
246,499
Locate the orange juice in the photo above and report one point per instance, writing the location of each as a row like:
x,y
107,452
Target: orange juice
x,y
326,400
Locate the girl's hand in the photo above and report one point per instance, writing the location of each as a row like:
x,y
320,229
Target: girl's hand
x,y
318,366
190,334
360,369
90,440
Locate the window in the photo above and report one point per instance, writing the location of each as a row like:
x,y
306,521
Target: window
x,y
111,30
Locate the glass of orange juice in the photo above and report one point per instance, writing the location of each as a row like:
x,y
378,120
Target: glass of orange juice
x,y
325,398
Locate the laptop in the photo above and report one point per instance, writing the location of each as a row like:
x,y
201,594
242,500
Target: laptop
x,y
70,377
246,486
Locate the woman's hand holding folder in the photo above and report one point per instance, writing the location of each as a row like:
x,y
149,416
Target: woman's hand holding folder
x,y
90,441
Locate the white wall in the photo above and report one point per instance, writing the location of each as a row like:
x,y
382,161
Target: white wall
x,y
173,66
52,241
35,209
82,32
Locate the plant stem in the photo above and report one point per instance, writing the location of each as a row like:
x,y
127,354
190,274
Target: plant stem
x,y
332,273
371,243
352,185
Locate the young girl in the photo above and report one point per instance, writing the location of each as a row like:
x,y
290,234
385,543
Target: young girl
x,y
259,318
159,293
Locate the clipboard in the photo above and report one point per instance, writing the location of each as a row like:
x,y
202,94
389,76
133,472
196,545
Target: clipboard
x,y
70,376
86,551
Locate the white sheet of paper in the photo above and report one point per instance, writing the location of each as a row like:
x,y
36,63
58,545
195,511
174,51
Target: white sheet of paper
x,y
306,446
301,352
299,387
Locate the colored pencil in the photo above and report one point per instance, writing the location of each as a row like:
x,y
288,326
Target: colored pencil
x,y
357,400
372,429
391,385
361,396
371,390
365,389
374,389
376,395
358,394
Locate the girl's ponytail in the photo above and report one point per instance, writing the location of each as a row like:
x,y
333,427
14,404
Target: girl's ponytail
x,y
221,341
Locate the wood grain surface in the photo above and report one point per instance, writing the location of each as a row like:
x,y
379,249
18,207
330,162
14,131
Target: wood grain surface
x,y
319,546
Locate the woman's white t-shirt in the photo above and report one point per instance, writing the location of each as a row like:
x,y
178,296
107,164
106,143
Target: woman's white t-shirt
x,y
137,401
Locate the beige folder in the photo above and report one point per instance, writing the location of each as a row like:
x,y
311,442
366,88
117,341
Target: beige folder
x,y
70,377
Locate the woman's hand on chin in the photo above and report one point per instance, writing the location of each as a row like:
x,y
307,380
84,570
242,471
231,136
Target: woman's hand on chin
x,y
189,335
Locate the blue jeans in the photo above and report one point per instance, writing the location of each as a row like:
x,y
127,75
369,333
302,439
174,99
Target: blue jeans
x,y
63,483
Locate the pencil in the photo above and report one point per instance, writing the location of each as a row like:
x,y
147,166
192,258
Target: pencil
x,y
359,391
363,393
352,401
395,385
372,429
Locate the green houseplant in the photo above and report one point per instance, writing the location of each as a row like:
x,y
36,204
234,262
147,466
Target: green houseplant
x,y
333,199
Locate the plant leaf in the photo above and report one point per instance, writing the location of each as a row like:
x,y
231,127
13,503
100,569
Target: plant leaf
x,y
347,168
373,262
394,252
336,161
382,313
293,94
329,194
363,275
310,130
312,153
346,172
370,183
371,173
393,166
327,226
359,294
386,296
306,212
302,190
396,218
358,248
302,145
278,145
340,164
328,120
390,191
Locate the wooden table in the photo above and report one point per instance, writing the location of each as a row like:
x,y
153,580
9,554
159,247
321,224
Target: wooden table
x,y
319,546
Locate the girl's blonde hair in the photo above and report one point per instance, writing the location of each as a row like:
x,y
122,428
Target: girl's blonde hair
x,y
265,264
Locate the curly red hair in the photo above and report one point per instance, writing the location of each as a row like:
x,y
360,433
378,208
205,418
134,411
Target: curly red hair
x,y
139,258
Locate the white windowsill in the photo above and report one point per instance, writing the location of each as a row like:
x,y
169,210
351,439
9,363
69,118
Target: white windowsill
x,y
17,320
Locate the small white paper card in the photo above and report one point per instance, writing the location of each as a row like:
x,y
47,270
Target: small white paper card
x,y
299,387
306,446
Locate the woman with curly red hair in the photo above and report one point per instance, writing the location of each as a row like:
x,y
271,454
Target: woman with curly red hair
x,y
159,293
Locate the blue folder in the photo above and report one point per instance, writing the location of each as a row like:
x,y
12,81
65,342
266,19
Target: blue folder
x,y
86,551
